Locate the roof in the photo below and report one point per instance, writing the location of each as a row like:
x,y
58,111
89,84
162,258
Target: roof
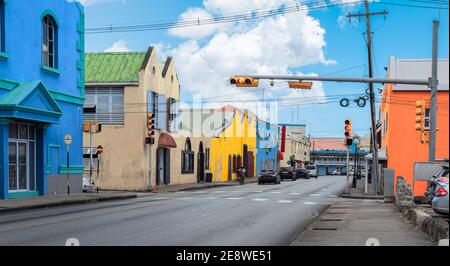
x,y
331,144
417,69
120,67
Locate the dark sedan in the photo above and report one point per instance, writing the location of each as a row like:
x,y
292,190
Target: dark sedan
x,y
287,173
269,176
301,173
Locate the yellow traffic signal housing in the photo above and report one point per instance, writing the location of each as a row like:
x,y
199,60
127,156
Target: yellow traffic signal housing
x,y
244,81
86,127
424,137
300,85
151,123
348,128
420,115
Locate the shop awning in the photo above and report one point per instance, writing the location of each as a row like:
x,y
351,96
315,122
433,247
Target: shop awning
x,y
166,141
30,101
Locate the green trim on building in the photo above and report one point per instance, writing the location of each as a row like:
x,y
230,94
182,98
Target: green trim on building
x,y
67,98
51,13
7,84
3,56
25,194
50,70
76,169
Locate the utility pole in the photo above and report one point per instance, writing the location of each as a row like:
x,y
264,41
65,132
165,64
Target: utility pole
x,y
433,99
367,15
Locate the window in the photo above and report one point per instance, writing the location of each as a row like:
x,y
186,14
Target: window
x,y
207,158
173,110
157,104
427,119
49,34
2,26
187,158
109,102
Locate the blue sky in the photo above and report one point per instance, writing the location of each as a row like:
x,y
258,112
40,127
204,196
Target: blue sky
x,y
406,33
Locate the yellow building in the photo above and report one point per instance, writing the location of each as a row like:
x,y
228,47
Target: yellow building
x,y
234,146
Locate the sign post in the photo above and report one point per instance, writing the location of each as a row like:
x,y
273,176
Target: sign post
x,y
68,141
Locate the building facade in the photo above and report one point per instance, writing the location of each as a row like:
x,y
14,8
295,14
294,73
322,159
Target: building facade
x,y
267,146
297,145
330,154
399,139
125,87
235,145
41,96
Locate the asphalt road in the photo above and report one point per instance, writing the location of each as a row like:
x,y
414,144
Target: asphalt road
x,y
238,215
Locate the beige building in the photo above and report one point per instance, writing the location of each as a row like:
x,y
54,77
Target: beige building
x,y
124,87
297,145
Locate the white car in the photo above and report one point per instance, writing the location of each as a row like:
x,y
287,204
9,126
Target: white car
x,y
312,171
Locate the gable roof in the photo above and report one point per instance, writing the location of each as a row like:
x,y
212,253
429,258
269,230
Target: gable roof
x,y
120,67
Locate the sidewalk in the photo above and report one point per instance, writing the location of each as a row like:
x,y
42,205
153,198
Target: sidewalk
x,y
196,186
352,223
358,192
21,204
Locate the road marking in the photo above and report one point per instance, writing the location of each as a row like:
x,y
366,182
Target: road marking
x,y
231,198
199,192
211,197
284,201
294,193
256,191
143,233
159,198
206,214
275,192
309,203
259,199
219,191
186,198
315,195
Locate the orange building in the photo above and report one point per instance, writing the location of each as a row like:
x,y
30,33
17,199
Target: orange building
x,y
397,118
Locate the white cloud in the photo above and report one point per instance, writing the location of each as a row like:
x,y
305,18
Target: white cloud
x,y
118,46
92,2
273,45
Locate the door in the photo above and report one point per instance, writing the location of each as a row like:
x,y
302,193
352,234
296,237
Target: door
x,y
18,166
160,167
230,169
200,164
250,164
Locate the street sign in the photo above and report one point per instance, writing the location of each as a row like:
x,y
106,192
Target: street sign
x,y
68,139
99,149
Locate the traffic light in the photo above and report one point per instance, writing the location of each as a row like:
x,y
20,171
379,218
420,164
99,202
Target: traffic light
x,y
244,81
424,137
97,127
151,124
348,128
420,115
300,85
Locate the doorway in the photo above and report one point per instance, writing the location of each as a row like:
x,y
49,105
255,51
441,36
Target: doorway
x,y
200,163
162,166
21,158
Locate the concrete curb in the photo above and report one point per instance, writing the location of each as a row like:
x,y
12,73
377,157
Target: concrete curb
x,y
435,227
65,203
443,242
348,196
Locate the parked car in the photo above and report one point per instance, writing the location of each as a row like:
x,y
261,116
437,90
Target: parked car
x,y
336,172
269,176
312,171
431,184
440,200
301,173
286,173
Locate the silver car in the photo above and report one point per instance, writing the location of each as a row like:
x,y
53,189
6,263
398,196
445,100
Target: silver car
x,y
440,193
312,171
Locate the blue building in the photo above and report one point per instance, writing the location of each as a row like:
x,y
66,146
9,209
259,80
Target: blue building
x,y
41,96
267,146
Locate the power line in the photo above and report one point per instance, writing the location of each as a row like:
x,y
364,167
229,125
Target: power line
x,y
221,19
409,5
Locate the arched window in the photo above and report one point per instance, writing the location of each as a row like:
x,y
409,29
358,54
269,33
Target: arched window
x,y
187,158
2,26
49,41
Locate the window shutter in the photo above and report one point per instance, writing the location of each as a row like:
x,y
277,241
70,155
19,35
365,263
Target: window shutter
x,y
162,112
117,106
103,105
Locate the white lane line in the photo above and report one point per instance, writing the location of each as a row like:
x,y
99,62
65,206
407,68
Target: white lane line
x,y
211,197
219,191
160,198
275,192
206,214
186,198
199,192
309,203
294,193
256,191
315,195
284,201
143,233
232,198
257,199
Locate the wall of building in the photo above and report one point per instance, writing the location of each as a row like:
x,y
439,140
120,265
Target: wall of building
x,y
402,141
231,141
267,147
297,145
21,63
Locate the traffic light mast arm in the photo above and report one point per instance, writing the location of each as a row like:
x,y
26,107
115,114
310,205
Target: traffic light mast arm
x,y
426,82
